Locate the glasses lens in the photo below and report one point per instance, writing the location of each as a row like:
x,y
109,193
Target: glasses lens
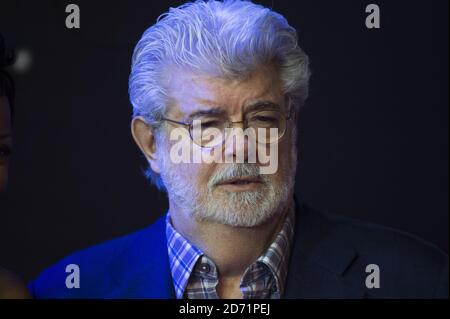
x,y
208,131
269,125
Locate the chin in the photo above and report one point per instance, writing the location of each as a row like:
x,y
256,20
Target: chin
x,y
236,214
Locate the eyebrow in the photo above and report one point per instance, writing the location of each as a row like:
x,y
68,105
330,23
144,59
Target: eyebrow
x,y
221,112
213,111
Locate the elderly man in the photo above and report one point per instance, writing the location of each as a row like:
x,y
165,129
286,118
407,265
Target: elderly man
x,y
205,74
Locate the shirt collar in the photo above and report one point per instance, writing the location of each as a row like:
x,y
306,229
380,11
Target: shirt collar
x,y
183,255
276,257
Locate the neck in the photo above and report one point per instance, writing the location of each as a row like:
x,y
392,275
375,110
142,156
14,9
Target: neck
x,y
231,248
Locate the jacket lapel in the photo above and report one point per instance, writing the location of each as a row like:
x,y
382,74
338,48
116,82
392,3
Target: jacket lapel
x,y
322,263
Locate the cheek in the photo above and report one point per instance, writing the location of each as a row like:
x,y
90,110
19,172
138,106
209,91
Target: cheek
x,y
204,172
285,159
198,175
282,149
195,174
201,167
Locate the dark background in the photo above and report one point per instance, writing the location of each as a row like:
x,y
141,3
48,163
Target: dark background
x,y
373,136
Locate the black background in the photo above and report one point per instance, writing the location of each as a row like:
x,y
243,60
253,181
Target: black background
x,y
373,136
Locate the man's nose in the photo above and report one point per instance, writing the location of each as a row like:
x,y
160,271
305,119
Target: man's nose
x,y
236,143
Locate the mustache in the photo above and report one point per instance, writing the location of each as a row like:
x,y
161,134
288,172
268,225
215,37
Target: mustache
x,y
235,170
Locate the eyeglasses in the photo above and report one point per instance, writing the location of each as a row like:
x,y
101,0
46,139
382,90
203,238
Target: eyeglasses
x,y
204,129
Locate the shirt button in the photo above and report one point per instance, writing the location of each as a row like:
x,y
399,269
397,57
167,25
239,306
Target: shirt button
x,y
205,268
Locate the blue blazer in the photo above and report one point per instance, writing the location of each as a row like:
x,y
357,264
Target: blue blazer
x,y
328,260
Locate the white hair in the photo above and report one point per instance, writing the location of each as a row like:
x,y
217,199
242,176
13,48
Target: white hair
x,y
228,39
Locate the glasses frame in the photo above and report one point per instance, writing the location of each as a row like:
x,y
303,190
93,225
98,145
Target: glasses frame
x,y
229,124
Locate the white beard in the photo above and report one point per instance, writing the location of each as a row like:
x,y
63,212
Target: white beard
x,y
238,209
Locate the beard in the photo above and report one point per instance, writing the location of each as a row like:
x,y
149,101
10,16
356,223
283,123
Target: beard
x,y
239,209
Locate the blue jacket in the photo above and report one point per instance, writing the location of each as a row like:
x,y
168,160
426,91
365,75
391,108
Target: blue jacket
x,y
328,260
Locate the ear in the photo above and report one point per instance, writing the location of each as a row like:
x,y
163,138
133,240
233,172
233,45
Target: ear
x,y
144,137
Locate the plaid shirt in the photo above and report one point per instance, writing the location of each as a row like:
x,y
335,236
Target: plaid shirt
x,y
195,275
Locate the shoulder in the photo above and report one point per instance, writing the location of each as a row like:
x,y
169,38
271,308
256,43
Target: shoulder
x,y
97,266
388,243
408,265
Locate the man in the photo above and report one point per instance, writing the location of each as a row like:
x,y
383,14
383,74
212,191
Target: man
x,y
204,73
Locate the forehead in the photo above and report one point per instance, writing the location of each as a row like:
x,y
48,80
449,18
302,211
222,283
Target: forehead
x,y
190,92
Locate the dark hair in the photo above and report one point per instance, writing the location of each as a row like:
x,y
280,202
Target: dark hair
x,y
7,87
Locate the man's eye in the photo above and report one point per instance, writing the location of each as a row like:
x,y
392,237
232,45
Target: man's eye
x,y
5,151
264,119
211,123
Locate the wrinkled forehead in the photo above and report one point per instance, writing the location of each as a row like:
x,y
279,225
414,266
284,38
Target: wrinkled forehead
x,y
190,92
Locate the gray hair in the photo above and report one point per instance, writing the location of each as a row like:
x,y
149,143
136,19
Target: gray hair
x,y
228,39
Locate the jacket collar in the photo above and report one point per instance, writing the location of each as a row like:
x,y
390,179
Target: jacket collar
x,y
142,269
321,259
